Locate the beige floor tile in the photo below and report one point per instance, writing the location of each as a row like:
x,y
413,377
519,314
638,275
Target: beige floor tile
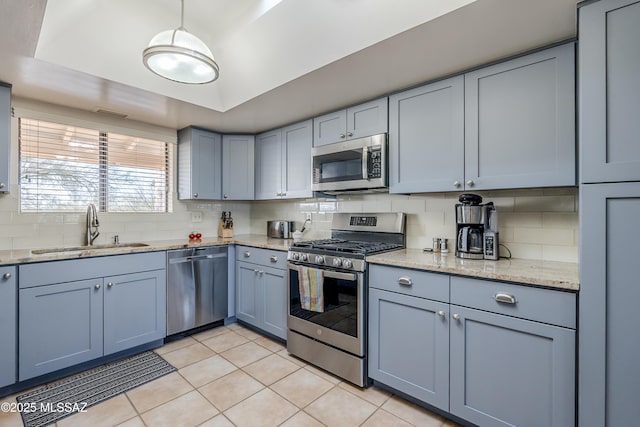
x,y
188,355
245,354
217,421
263,409
384,419
106,414
158,391
175,345
207,370
291,358
7,418
323,374
231,389
371,394
210,333
412,413
188,410
270,344
247,333
234,326
224,342
340,408
133,422
271,369
302,387
302,419
449,423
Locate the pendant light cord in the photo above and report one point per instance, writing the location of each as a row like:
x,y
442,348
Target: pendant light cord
x,y
182,16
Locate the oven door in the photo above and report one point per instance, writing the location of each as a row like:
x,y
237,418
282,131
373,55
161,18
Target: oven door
x,y
350,165
341,324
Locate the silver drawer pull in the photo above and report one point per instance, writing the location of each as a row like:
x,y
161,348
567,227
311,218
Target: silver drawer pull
x,y
405,281
440,313
504,298
247,254
273,258
6,276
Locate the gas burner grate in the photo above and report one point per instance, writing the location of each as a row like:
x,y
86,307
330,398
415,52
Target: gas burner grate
x,y
347,246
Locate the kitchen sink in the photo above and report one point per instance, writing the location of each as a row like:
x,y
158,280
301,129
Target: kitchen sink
x,y
87,248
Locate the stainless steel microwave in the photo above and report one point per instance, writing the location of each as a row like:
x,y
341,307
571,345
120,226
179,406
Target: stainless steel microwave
x,y
359,164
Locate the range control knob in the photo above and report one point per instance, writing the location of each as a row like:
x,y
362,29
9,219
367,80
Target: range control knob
x,y
295,256
319,259
304,257
347,264
337,262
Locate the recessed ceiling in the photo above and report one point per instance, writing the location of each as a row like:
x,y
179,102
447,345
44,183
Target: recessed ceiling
x,y
280,61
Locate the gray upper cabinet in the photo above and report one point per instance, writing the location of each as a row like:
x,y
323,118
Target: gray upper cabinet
x,y
199,164
609,88
520,120
426,138
5,136
359,121
609,344
283,162
238,171
8,325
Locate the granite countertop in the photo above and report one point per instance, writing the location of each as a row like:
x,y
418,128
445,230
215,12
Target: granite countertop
x,y
22,256
552,274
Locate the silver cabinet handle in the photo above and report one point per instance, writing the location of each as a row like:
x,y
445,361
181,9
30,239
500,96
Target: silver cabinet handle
x,y
2,185
342,135
97,286
110,284
470,183
273,258
456,316
504,298
255,270
195,195
6,276
456,184
225,196
283,194
440,313
405,281
247,254
349,133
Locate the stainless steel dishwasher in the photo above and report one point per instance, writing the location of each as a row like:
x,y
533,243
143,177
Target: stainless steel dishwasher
x,y
196,287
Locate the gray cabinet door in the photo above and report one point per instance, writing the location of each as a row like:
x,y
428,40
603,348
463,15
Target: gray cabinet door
x,y
409,345
238,178
511,372
426,138
609,343
199,165
135,310
609,101
247,293
370,118
269,165
8,325
297,140
330,128
5,136
59,326
272,298
519,122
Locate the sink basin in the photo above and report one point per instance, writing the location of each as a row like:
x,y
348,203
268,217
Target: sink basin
x,y
87,248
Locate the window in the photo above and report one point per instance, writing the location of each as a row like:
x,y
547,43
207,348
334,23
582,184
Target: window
x,y
64,168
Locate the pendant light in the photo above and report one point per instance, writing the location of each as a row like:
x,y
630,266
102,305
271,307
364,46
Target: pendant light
x,y
180,56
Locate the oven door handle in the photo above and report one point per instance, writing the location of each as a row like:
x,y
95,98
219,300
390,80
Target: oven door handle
x,y
338,275
365,163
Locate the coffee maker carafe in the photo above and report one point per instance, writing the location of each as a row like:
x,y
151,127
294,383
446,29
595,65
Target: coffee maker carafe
x,y
476,228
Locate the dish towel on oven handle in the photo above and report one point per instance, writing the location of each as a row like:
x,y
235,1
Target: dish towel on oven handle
x,y
310,284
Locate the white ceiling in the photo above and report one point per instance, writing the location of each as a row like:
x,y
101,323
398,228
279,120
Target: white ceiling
x,y
280,61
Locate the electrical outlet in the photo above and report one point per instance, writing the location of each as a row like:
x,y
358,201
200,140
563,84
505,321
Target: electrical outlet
x,y
308,216
196,216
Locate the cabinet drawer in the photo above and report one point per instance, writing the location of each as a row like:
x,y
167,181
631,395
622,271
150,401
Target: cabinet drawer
x,y
420,284
542,305
266,257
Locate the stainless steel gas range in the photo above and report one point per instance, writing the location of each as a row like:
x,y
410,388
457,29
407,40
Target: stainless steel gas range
x,y
327,308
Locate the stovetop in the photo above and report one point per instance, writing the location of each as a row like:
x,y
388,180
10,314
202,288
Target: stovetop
x,y
346,246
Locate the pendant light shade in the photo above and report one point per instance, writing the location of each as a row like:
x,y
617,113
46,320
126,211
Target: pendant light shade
x,y
180,56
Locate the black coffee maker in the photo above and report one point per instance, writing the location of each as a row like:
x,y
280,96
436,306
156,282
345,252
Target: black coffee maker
x,y
476,228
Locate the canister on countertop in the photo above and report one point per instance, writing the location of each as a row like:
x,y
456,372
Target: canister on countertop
x,y
436,244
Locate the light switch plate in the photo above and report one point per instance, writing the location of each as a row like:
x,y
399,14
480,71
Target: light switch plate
x,y
196,216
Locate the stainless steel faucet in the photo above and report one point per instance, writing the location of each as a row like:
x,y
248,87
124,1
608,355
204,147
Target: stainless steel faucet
x,y
92,224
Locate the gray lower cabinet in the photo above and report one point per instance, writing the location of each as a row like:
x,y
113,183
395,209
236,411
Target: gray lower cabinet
x,y
64,322
609,344
609,90
358,121
238,177
8,325
5,135
511,372
261,295
199,164
520,122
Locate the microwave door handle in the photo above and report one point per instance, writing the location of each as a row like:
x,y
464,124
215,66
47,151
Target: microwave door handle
x,y
365,163
337,275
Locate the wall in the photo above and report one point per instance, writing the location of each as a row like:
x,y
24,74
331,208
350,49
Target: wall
x,y
533,223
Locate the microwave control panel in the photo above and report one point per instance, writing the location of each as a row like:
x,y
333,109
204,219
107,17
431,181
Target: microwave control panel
x,y
375,162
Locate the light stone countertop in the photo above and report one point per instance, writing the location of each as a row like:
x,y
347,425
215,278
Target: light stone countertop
x,y
552,274
23,256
